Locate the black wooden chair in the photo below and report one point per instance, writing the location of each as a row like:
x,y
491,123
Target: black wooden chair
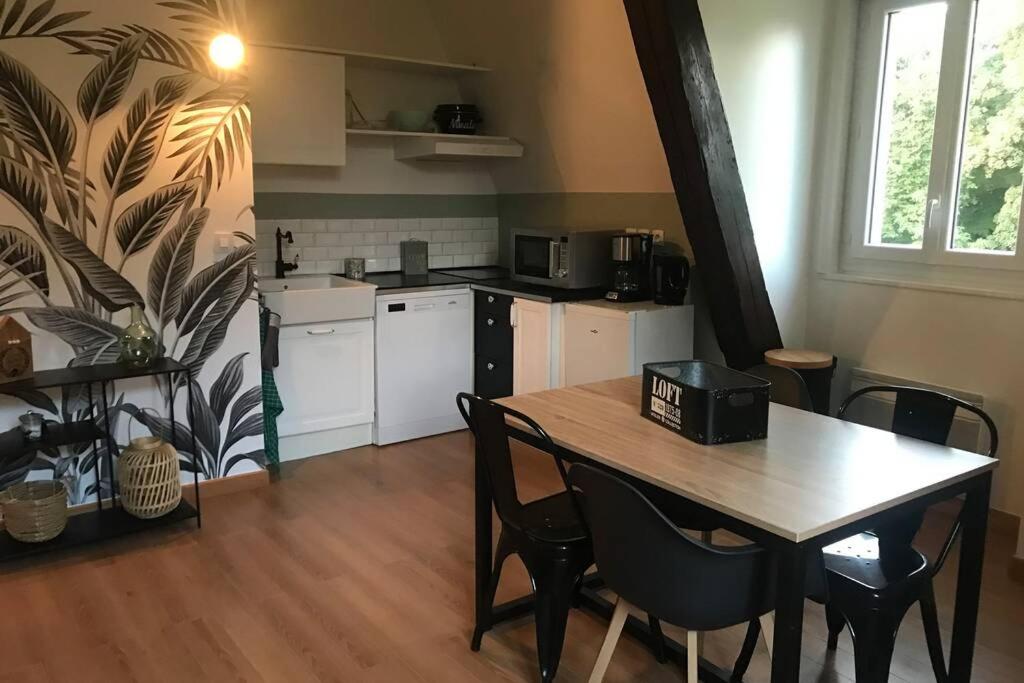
x,y
547,534
650,563
788,387
875,577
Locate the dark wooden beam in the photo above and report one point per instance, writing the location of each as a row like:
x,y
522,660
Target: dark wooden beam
x,y
676,62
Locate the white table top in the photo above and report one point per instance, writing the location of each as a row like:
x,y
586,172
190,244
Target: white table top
x,y
811,475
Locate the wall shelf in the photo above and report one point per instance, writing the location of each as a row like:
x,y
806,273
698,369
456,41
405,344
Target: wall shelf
x,y
94,526
410,146
375,132
14,444
369,60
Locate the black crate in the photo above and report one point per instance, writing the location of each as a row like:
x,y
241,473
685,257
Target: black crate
x,y
705,402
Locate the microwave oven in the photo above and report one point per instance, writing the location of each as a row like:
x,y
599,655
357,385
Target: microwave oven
x,y
562,258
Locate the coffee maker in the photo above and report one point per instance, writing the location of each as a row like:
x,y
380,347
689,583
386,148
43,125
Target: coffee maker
x,y
632,258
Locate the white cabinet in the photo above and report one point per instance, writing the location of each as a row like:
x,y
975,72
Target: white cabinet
x,y
606,341
298,107
532,326
325,379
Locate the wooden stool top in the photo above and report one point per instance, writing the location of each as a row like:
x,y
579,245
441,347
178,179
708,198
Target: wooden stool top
x,y
798,359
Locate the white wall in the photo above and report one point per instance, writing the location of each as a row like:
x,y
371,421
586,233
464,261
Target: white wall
x,y
947,339
768,61
567,83
392,27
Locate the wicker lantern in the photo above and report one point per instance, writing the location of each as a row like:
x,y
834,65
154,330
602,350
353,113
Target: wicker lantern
x,y
149,477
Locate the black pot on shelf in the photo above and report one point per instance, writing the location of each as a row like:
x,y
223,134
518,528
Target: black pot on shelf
x,y
458,119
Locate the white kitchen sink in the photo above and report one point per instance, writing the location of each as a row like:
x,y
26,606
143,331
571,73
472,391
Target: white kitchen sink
x,y
304,299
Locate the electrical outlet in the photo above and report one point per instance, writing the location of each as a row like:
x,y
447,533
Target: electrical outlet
x,y
659,236
223,241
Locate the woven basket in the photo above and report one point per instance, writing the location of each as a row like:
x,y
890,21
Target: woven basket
x,y
35,511
149,477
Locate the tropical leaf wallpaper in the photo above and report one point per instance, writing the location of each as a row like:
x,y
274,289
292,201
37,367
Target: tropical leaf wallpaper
x,y
123,153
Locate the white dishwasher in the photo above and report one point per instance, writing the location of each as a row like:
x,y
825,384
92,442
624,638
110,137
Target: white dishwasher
x,y
424,358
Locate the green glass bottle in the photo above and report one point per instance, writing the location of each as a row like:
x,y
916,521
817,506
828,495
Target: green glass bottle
x,y
139,346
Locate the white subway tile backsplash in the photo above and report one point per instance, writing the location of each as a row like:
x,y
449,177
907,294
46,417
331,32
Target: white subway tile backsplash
x,y
322,245
327,267
293,225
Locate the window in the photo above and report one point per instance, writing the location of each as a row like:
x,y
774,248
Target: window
x,y
937,144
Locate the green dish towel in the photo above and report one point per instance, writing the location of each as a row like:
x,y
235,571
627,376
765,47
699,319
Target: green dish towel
x,y
272,405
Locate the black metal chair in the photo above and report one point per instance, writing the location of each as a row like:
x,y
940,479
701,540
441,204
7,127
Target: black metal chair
x,y
547,534
651,564
875,577
788,387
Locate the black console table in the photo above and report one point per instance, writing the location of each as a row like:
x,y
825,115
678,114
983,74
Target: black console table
x,y
108,521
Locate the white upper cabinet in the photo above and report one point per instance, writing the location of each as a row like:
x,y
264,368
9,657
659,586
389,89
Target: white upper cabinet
x,y
298,107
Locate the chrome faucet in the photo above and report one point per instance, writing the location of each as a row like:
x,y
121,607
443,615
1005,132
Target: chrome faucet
x,y
280,267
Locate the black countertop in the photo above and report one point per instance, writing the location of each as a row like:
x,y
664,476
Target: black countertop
x,y
490,278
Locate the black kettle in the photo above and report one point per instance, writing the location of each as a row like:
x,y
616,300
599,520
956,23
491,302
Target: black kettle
x,y
670,279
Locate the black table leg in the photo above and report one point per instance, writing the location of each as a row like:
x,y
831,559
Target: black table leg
x,y
974,524
789,613
483,533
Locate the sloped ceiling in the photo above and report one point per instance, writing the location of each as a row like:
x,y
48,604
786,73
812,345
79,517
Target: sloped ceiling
x,y
567,84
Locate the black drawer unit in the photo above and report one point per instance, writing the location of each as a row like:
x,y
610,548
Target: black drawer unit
x,y
492,377
492,339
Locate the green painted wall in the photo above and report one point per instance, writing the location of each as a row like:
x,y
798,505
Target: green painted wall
x,y
289,205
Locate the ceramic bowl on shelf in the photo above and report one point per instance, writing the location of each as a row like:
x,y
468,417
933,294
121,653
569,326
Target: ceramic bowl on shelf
x,y
409,120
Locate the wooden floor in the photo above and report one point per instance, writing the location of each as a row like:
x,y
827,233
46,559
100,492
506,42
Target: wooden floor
x,y
358,567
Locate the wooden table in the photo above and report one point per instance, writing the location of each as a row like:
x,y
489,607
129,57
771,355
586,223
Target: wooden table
x,y
815,480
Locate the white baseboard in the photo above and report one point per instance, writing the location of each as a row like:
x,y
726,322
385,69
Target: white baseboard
x,y
299,446
417,430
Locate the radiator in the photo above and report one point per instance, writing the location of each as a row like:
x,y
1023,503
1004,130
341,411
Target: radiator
x,y
967,432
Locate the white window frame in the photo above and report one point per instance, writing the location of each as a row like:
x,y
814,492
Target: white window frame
x,y
949,127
